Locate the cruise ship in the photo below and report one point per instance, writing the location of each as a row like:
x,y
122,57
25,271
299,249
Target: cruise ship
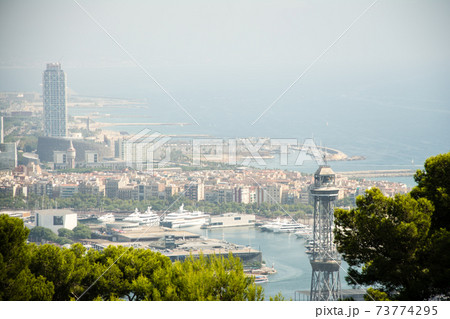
x,y
183,218
281,226
148,218
107,218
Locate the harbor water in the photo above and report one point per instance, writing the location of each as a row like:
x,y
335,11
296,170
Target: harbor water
x,y
284,251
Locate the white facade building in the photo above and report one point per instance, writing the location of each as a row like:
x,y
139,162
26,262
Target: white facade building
x,y
55,219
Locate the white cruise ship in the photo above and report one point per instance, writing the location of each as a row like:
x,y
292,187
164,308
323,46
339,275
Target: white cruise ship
x,y
183,218
107,218
282,226
148,218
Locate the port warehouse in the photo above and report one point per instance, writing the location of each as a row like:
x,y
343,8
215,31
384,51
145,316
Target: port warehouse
x,y
193,247
177,245
247,257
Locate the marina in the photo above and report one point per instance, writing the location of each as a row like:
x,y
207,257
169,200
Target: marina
x,y
284,251
276,253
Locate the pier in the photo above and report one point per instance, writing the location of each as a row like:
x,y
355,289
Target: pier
x,y
220,248
378,173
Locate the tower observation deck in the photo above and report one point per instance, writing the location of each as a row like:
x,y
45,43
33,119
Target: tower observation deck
x,y
325,260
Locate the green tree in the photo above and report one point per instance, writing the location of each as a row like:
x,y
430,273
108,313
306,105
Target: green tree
x,y
56,265
16,280
127,272
214,278
139,274
375,295
67,233
387,238
401,244
433,183
81,231
39,233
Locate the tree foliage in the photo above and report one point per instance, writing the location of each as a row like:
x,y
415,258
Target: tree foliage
x,y
433,183
64,232
400,245
376,295
81,231
48,272
386,236
39,233
16,280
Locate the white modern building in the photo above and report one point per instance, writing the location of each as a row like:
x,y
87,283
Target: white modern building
x,y
230,220
55,101
55,219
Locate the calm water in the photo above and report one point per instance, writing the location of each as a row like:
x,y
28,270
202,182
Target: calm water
x,y
285,251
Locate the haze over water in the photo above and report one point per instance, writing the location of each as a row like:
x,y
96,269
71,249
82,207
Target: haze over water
x,y
380,91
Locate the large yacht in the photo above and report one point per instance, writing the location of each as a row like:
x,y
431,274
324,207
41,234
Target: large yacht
x,y
107,218
183,218
148,218
281,226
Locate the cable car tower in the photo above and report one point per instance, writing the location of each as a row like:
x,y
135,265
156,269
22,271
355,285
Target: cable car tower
x,y
325,260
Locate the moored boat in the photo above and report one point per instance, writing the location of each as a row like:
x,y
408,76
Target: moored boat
x,y
106,218
148,218
281,226
183,218
304,232
259,279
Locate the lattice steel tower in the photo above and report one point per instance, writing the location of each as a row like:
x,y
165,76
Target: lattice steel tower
x,y
325,261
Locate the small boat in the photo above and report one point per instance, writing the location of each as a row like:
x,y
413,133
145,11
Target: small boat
x,y
264,270
259,279
305,232
107,218
309,244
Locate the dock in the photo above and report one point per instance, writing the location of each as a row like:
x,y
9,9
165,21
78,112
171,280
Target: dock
x,y
378,173
207,247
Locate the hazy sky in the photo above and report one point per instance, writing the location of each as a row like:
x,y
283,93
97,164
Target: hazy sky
x,y
238,56
216,35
